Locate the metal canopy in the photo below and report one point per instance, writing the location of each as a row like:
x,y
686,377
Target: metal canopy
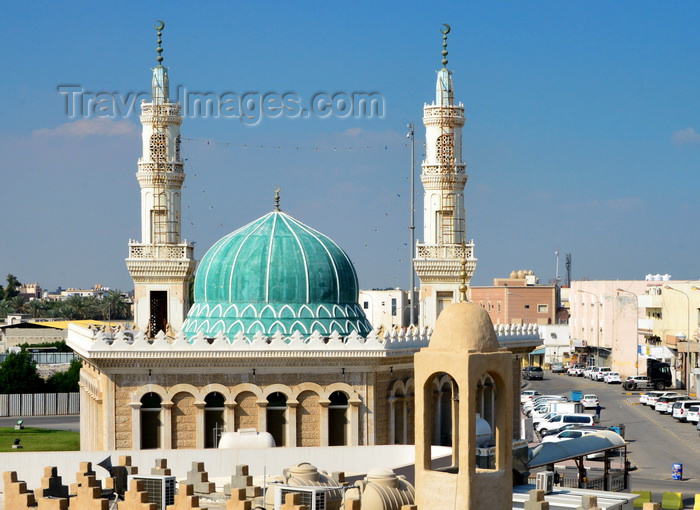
x,y
549,453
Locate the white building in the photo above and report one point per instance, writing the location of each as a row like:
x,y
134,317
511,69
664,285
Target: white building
x,y
387,308
557,342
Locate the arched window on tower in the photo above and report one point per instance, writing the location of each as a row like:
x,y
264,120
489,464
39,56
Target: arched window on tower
x,y
338,419
445,149
442,406
151,421
213,419
157,147
486,399
277,417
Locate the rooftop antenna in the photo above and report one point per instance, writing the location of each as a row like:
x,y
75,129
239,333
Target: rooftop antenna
x,y
568,269
159,30
556,273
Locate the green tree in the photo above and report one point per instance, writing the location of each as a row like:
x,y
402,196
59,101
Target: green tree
x,y
5,308
12,288
66,382
114,306
18,374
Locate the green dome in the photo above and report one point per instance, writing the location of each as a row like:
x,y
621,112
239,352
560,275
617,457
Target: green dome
x,y
275,274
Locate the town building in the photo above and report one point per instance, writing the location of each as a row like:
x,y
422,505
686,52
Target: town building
x,y
519,299
388,308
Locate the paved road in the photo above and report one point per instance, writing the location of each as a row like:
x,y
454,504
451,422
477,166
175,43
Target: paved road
x,y
61,422
656,441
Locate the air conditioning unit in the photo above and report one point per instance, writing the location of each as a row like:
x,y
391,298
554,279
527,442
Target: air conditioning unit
x,y
160,489
545,482
315,498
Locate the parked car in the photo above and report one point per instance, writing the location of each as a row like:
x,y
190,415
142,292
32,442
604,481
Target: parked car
x,y
645,397
663,404
587,372
533,373
636,382
557,367
560,420
529,409
540,419
612,378
576,369
600,373
651,400
693,414
528,395
571,433
529,406
680,408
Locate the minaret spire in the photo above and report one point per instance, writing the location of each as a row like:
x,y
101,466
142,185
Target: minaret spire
x,y
160,90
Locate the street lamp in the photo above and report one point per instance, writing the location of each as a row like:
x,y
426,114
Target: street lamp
x,y
636,326
412,226
687,337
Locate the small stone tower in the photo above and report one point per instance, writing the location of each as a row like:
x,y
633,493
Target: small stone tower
x,y
161,264
464,349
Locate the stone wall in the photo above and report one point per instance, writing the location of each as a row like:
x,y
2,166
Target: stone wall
x,y
308,420
184,421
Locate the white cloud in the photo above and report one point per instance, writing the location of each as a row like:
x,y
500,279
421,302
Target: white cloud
x,y
685,136
103,126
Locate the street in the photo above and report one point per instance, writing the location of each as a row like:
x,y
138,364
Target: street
x,y
656,441
60,422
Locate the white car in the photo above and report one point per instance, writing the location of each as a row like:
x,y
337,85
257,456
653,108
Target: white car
x,y
558,421
587,373
530,405
652,399
612,377
600,373
680,408
589,401
542,419
664,405
693,414
527,395
645,397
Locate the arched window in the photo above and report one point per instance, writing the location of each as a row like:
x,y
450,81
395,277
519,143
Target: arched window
x,y
213,419
399,424
151,421
277,417
338,419
442,405
486,399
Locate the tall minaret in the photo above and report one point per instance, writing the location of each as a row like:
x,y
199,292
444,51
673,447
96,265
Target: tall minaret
x,y
161,264
444,245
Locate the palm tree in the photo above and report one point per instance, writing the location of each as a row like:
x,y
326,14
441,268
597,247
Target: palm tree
x,y
115,306
18,304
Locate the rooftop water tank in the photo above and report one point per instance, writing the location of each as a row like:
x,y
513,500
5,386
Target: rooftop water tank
x,y
246,438
382,489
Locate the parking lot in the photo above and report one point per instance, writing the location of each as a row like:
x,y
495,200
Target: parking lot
x,y
656,441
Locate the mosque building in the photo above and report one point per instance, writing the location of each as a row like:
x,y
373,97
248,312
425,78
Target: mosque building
x,y
275,339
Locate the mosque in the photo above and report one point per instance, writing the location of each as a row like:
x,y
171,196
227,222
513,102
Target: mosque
x,y
275,340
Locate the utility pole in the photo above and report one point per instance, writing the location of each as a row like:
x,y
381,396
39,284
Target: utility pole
x,y
412,227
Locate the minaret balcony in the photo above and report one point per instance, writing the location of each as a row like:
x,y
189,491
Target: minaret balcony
x,y
433,110
443,169
168,109
445,251
152,166
142,251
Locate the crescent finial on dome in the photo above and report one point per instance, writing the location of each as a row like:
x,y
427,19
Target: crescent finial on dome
x,y
277,198
444,33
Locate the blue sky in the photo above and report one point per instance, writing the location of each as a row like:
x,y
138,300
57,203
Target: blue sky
x,y
582,131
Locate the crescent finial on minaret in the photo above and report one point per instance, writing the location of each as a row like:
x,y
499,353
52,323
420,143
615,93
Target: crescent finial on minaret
x,y
159,30
444,32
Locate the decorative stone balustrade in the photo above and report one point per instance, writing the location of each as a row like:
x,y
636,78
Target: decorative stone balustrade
x,y
160,251
431,110
170,109
96,344
441,251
